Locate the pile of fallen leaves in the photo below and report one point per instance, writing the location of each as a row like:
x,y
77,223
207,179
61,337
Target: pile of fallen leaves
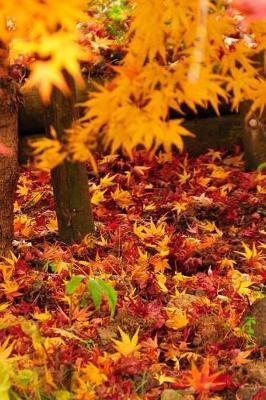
x,y
180,254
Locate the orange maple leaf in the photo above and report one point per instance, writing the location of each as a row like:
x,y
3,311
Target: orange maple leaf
x,y
202,381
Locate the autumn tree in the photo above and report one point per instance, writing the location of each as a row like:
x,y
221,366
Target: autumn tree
x,y
55,74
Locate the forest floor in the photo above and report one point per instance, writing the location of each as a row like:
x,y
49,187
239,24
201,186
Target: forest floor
x,y
182,242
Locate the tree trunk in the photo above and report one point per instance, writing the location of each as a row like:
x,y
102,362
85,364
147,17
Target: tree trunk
x,y
254,138
8,162
69,180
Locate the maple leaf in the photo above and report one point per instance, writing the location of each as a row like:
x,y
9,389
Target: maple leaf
x,y
261,189
4,306
184,177
45,76
220,173
6,350
248,253
107,180
179,207
98,197
122,198
144,232
161,281
242,356
177,319
227,263
23,225
241,282
49,152
201,380
52,224
234,161
45,316
126,346
214,154
93,374
210,227
161,378
10,289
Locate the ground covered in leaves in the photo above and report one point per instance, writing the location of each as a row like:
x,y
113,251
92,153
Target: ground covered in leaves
x,y
178,260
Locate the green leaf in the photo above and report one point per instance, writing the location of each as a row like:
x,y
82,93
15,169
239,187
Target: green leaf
x,y
95,292
262,166
73,284
97,287
111,295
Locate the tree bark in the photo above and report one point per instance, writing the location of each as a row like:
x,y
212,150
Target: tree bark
x,y
8,162
69,180
254,137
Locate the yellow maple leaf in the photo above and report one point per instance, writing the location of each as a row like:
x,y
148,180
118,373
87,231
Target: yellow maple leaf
x,y
179,207
10,288
220,173
45,316
6,349
241,283
261,189
248,252
46,75
4,306
126,346
23,225
52,224
122,198
227,263
107,180
98,197
161,281
161,378
49,152
209,226
152,229
177,319
93,374
22,190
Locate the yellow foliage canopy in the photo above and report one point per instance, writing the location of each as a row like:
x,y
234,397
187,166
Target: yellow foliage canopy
x,y
177,53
